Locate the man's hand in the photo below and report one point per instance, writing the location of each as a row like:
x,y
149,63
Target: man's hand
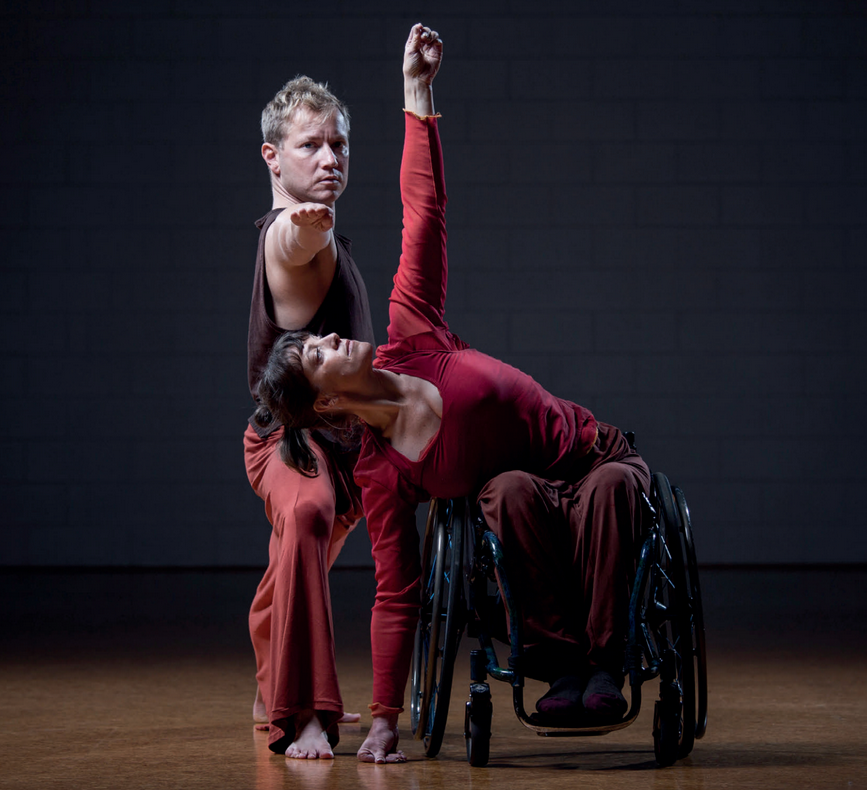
x,y
422,54
312,215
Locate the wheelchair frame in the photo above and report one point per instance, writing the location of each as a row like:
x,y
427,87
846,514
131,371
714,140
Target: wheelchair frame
x,y
665,636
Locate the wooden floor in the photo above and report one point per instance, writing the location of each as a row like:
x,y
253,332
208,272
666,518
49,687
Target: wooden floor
x,y
145,680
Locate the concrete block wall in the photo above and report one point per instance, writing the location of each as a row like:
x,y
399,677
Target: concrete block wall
x,y
658,210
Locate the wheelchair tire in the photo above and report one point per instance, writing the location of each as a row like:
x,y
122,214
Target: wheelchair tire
x,y
674,727
477,724
417,703
699,644
440,623
666,732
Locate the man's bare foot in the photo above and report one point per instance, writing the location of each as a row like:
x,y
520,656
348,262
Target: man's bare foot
x,y
311,742
380,745
260,714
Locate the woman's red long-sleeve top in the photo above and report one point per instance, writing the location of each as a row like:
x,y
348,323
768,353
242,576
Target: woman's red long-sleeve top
x,y
495,418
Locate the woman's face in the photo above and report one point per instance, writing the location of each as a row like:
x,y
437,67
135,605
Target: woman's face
x,y
334,365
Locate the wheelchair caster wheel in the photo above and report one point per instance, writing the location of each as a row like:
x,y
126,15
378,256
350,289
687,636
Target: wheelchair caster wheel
x,y
477,724
667,732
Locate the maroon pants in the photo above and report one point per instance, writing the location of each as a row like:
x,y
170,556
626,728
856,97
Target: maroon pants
x,y
290,618
570,549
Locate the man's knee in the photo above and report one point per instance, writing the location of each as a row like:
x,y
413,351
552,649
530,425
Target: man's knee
x,y
314,514
302,509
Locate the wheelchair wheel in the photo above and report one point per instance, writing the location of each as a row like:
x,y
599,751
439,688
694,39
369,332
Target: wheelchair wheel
x,y
477,724
418,704
699,646
670,612
440,623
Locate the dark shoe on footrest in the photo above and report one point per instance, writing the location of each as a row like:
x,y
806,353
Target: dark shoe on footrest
x,y
602,699
563,699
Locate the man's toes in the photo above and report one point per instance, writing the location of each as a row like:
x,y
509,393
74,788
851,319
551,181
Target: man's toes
x,y
297,753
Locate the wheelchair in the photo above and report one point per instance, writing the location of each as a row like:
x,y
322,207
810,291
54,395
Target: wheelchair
x,y
464,587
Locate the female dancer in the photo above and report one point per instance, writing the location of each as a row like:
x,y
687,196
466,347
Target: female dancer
x,y
561,490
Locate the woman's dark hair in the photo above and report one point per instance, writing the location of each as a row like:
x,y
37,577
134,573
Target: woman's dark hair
x,y
286,396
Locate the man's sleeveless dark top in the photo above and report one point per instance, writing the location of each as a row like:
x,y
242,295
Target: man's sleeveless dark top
x,y
345,309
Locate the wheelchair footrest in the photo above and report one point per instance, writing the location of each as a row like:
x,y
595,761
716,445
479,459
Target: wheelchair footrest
x,y
580,725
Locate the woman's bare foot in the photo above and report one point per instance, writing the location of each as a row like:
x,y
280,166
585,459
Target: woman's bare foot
x,y
380,745
311,742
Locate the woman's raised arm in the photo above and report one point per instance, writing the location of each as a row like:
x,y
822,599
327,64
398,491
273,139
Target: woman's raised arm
x,y
417,301
422,56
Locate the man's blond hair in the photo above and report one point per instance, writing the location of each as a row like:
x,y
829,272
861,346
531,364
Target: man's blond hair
x,y
299,92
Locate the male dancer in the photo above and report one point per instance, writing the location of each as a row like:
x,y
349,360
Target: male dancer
x,y
305,278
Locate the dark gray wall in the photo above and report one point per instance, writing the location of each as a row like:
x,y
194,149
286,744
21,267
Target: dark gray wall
x,y
658,213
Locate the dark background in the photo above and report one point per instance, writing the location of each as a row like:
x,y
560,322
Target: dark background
x,y
658,210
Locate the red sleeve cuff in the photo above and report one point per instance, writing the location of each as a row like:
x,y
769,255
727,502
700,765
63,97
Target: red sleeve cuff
x,y
378,709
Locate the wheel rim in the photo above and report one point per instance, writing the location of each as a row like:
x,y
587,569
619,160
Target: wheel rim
x,y
699,648
440,623
431,570
675,629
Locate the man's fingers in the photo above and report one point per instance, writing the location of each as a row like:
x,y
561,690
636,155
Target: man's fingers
x,y
312,214
314,211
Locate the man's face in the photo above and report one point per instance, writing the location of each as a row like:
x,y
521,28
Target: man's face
x,y
312,163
